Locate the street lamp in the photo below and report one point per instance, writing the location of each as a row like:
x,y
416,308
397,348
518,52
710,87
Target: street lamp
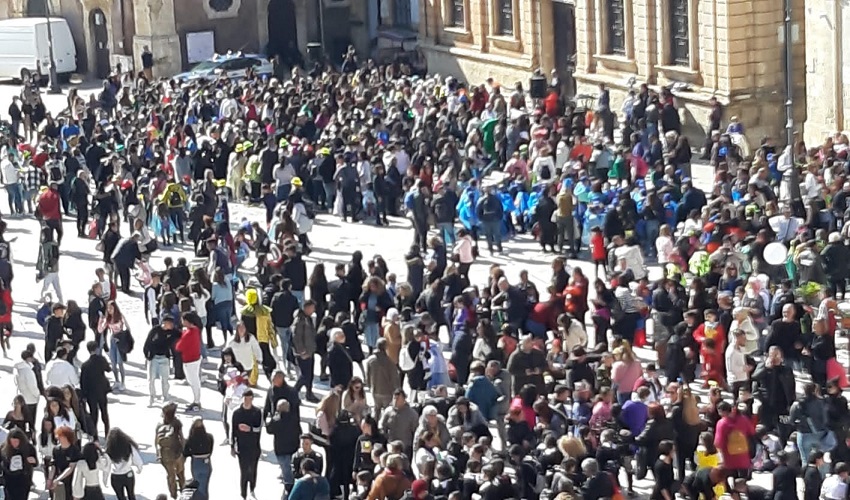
x,y
54,78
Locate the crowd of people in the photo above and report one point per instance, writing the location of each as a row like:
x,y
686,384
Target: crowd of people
x,y
437,386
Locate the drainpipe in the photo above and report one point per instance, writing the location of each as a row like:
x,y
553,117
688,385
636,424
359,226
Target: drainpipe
x,y
789,77
838,73
714,43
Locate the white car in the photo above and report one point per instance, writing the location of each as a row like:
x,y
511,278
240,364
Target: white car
x,y
233,66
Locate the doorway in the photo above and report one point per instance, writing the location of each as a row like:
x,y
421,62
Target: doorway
x,y
100,36
36,8
283,29
565,46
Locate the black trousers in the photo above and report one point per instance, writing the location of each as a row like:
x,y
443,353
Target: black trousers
x,y
124,486
82,219
124,276
99,408
247,473
56,226
305,379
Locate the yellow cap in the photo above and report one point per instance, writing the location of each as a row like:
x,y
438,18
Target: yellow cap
x,y
296,181
251,296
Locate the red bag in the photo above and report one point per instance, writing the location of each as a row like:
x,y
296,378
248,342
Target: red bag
x,y
640,337
834,370
93,229
113,291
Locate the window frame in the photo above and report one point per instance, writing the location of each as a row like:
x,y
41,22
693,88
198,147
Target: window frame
x,y
619,49
678,16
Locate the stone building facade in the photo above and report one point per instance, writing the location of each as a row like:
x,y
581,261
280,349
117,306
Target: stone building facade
x,y
730,49
107,32
827,68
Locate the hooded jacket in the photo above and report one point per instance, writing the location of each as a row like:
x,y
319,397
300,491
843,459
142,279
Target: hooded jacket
x,y
26,382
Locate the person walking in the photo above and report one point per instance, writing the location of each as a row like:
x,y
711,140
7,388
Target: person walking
x,y
281,425
382,376
157,351
126,462
94,386
304,348
189,347
246,423
169,444
198,449
113,324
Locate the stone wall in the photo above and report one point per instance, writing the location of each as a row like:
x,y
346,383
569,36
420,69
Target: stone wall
x,y
736,55
473,52
828,69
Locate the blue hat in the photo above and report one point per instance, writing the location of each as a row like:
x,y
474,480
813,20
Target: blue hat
x,y
667,198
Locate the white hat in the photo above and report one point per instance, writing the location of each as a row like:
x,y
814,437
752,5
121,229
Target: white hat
x,y
834,237
392,314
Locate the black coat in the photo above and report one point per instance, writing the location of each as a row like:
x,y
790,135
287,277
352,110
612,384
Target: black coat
x,y
652,435
340,364
282,426
94,386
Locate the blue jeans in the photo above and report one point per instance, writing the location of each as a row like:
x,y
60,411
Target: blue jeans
x,y
821,441
16,198
29,198
224,315
493,234
651,228
285,336
370,331
299,294
285,463
330,194
117,360
447,232
158,369
201,472
283,192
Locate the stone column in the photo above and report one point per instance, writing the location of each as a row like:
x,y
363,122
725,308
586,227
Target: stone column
x,y
263,23
156,28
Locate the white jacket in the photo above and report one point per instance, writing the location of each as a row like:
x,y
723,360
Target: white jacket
x,y
26,382
60,373
246,352
736,364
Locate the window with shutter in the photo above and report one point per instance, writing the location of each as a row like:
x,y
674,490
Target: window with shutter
x,y
680,53
616,27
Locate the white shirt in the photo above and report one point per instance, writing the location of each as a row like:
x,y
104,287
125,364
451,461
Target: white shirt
x,y
813,187
126,466
61,373
10,173
736,364
83,476
833,488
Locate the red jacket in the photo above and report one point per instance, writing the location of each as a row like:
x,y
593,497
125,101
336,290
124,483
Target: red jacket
x,y
48,205
6,298
189,345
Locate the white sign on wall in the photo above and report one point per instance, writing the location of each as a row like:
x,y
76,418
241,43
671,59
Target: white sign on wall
x,y
200,46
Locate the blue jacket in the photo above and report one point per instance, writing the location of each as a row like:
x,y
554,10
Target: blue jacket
x,y
310,488
483,393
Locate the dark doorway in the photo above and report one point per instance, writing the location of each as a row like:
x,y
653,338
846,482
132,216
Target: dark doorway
x,y
100,34
36,8
565,46
283,29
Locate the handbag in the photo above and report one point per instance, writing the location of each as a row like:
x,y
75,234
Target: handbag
x,y
152,246
125,341
318,437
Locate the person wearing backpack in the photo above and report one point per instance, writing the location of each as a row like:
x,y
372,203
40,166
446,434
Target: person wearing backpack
x,y
303,213
169,443
174,196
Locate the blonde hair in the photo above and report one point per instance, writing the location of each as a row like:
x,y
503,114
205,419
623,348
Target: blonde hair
x,y
572,446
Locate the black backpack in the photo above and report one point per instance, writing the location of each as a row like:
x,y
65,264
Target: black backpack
x,y
309,209
55,172
174,199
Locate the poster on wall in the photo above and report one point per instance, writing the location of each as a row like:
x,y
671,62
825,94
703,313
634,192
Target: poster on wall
x,y
200,46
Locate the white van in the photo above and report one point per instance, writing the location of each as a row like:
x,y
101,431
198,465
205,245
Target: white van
x,y
24,47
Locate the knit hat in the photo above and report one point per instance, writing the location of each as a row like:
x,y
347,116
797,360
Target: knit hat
x,y
418,488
